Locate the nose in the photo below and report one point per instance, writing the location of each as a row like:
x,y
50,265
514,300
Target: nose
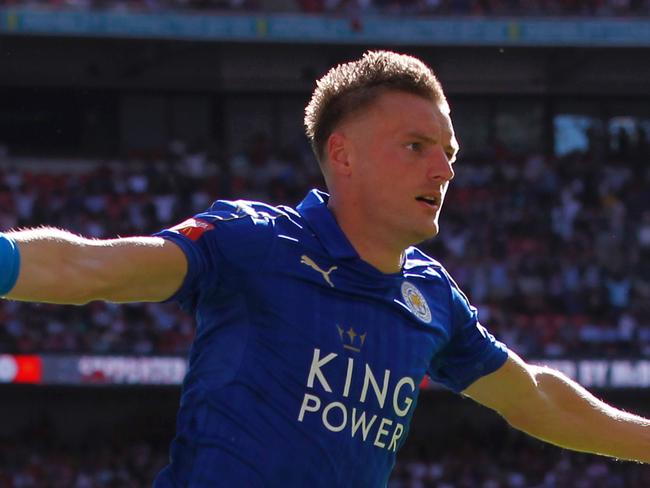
x,y
440,167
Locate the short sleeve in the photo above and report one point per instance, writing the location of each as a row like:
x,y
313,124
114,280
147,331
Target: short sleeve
x,y
228,236
472,351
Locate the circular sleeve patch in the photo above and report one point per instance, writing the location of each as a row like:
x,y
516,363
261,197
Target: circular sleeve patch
x,y
415,302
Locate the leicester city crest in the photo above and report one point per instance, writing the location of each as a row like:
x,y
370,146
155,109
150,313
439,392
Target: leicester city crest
x,y
415,302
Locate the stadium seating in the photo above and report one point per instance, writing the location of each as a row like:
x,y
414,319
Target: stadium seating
x,y
553,252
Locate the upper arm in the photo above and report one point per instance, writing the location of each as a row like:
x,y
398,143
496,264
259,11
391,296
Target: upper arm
x,y
179,262
506,390
146,269
550,406
59,267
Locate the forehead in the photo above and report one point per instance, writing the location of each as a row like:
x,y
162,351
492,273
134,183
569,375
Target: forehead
x,y
397,111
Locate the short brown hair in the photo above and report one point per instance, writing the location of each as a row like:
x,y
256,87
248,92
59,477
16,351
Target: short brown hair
x,y
350,87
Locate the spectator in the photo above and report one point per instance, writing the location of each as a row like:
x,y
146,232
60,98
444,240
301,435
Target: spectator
x,y
587,295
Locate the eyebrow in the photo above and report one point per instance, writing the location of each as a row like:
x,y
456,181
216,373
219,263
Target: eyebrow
x,y
419,135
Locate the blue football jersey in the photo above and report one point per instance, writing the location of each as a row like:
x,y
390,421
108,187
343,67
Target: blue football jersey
x,y
307,361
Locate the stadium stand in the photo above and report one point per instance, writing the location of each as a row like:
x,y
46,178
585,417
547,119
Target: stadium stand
x,y
515,461
553,251
96,466
354,8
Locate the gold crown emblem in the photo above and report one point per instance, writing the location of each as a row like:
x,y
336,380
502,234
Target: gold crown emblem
x,y
351,339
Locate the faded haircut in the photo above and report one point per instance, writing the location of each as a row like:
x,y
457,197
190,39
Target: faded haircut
x,y
351,87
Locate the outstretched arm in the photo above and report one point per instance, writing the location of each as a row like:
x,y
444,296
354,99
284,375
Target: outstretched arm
x,y
548,405
60,267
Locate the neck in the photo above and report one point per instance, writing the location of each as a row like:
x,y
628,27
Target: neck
x,y
375,249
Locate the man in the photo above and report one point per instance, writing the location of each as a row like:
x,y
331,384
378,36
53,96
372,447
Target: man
x,y
315,326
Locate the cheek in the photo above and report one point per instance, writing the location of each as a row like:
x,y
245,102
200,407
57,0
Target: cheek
x,y
391,165
380,173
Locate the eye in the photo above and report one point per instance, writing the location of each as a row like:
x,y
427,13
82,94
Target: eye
x,y
415,146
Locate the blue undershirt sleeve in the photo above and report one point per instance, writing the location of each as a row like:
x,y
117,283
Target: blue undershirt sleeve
x,y
9,263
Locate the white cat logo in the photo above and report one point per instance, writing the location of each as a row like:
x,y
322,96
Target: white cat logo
x,y
306,260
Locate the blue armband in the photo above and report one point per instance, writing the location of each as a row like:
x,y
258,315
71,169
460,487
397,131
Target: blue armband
x,y
9,264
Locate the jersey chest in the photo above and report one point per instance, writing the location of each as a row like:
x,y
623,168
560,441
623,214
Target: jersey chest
x,y
354,346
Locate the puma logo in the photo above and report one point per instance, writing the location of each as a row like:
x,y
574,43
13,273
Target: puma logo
x,y
306,260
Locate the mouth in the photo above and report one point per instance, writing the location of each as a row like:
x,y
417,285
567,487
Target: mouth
x,y
430,200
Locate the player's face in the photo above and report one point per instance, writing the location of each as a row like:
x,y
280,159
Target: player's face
x,y
402,153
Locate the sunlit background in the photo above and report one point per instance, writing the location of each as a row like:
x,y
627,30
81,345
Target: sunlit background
x,y
124,117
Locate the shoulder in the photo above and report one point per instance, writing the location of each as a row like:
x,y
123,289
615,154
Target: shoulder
x,y
235,228
225,210
430,269
426,267
237,217
423,265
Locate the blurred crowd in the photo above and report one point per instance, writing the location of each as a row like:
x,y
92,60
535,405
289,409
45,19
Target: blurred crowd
x,y
554,252
520,463
25,464
355,9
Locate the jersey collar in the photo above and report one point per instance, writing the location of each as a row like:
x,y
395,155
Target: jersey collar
x,y
319,218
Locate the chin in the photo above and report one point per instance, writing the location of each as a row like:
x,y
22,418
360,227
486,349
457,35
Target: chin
x,y
423,235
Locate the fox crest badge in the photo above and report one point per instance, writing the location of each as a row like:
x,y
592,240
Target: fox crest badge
x,y
416,302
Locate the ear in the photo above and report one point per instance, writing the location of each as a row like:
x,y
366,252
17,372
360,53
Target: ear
x,y
338,154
